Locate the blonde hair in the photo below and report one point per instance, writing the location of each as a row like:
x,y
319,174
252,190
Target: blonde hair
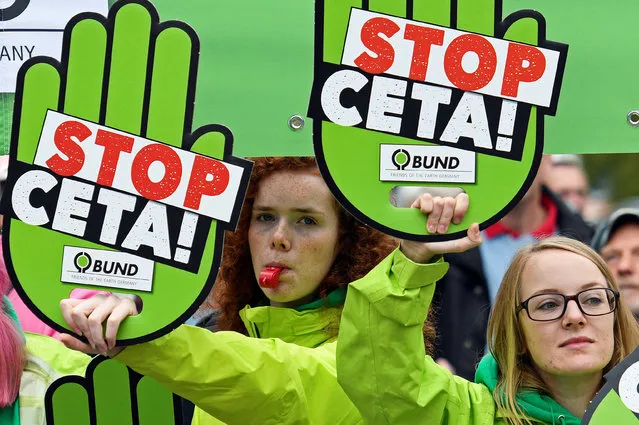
x,y
506,340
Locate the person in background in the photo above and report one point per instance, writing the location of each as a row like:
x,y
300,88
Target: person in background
x,y
567,179
617,241
463,300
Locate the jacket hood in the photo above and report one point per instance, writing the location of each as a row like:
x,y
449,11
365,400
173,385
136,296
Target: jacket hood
x,y
538,406
310,325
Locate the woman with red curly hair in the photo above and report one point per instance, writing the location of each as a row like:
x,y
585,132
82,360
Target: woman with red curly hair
x,y
357,246
283,284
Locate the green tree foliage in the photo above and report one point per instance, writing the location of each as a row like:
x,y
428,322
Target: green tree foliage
x,y
617,174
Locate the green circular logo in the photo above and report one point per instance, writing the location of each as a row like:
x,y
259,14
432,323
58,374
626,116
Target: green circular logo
x,y
401,158
82,261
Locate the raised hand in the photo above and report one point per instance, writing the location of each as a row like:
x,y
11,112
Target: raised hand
x,y
441,211
98,320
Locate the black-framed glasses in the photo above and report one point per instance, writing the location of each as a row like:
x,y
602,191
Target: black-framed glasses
x,y
552,306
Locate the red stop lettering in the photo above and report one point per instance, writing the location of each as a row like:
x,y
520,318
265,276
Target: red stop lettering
x,y
140,171
453,62
382,48
515,71
424,38
65,144
113,144
200,184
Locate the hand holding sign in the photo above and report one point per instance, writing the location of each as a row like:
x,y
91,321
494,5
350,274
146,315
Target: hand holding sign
x,y
103,159
441,212
387,88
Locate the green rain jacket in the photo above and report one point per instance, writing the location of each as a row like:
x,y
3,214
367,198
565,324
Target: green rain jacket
x,y
383,368
284,373
47,360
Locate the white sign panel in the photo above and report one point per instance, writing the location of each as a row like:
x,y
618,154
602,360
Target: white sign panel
x,y
415,163
111,269
70,146
383,44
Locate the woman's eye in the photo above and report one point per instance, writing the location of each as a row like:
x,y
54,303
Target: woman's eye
x,y
264,217
547,305
308,220
594,301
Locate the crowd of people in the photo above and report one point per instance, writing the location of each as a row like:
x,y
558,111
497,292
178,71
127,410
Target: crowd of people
x,y
317,318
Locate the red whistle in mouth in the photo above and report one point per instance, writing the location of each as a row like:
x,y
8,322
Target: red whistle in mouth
x,y
270,277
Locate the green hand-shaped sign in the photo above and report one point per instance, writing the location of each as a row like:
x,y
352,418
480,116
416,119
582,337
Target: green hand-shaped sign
x,y
395,79
111,393
108,188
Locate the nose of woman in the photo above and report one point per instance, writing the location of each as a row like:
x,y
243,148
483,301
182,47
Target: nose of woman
x,y
280,238
573,316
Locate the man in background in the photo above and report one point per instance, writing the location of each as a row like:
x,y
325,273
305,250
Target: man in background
x,y
617,240
567,179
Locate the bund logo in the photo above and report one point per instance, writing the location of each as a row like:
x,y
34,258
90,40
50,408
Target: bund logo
x,y
82,261
401,159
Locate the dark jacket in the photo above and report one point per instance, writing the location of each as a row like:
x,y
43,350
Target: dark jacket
x,y
462,304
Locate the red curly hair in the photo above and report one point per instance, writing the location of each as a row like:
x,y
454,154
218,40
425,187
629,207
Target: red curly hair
x,y
360,249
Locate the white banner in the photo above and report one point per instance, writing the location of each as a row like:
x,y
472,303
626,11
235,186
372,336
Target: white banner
x,y
34,28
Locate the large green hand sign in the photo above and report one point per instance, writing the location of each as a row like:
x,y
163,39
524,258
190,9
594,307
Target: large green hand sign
x,y
618,400
109,188
110,393
423,93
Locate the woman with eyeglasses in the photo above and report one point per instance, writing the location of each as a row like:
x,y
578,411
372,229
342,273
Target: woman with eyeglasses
x,y
556,328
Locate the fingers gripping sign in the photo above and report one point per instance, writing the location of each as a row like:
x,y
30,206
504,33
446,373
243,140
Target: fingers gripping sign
x,y
87,318
109,187
443,93
441,213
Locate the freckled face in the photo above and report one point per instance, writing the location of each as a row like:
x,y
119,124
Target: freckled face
x,y
294,225
555,346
